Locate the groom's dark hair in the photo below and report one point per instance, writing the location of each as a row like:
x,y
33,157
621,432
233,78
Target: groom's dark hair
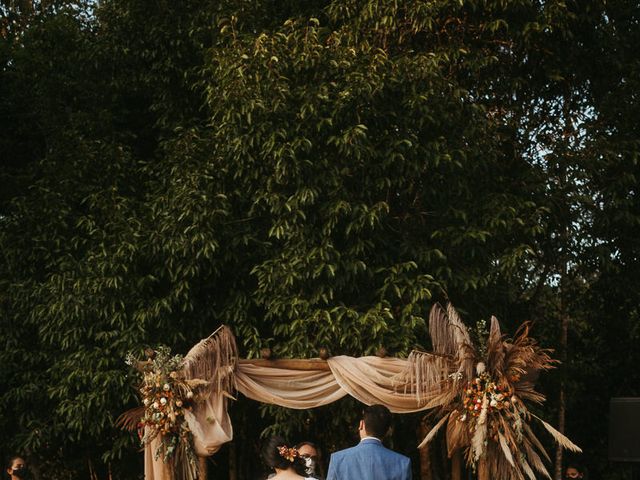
x,y
377,420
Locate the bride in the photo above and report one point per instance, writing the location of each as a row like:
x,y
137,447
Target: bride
x,y
285,460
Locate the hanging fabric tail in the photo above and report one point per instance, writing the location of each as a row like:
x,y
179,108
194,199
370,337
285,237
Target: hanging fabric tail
x,y
214,360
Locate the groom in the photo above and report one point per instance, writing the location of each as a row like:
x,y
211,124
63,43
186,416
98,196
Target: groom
x,y
370,460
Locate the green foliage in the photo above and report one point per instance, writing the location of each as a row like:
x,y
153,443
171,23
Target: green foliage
x,y
313,174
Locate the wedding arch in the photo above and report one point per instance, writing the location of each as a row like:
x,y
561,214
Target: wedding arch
x,y
480,393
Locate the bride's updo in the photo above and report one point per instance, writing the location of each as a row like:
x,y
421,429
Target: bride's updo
x,y
278,453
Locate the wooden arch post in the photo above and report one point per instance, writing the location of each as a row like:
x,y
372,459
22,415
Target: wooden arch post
x,y
456,465
483,470
202,468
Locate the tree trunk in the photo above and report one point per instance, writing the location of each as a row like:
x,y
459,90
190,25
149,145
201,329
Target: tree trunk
x,y
564,333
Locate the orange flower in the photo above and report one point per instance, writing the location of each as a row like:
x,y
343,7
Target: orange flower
x,y
289,453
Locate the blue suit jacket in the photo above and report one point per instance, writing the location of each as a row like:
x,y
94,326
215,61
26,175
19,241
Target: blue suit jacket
x,y
369,460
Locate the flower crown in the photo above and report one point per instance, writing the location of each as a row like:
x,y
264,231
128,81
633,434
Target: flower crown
x,y
289,453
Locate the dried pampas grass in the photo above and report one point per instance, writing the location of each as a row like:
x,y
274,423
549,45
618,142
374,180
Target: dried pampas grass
x,y
492,429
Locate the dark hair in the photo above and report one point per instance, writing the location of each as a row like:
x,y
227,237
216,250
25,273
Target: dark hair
x,y
319,469
306,442
10,460
579,467
273,459
377,420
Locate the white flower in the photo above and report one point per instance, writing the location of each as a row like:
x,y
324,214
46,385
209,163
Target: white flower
x,y
156,405
146,402
493,403
163,401
166,387
480,368
189,394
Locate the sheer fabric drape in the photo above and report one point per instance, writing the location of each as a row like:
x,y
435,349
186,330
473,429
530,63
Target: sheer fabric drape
x,y
370,380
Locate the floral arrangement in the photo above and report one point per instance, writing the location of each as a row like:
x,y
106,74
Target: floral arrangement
x,y
480,390
499,397
290,454
175,391
166,397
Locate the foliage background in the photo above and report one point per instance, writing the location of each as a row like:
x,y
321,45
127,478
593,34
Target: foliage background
x,y
312,174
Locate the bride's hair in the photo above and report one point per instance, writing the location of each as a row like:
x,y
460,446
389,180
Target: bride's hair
x,y
278,453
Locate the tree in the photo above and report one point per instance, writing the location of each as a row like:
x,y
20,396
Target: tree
x,y
311,175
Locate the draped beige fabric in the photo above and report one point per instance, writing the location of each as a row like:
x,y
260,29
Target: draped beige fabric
x,y
371,380
154,468
209,421
367,379
299,389
374,380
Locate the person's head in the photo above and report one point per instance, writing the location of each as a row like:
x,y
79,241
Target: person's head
x,y
278,454
17,468
376,421
573,471
310,454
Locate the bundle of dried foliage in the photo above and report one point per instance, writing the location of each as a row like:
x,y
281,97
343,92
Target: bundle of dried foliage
x,y
482,397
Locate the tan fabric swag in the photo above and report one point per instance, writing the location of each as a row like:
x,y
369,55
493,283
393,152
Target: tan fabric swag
x,y
371,380
299,389
368,379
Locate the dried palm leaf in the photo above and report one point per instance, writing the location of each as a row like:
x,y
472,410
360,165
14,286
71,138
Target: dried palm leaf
x,y
442,338
449,335
498,465
495,349
505,449
563,441
213,359
527,470
534,459
443,399
130,419
457,433
448,376
464,349
525,357
426,376
525,391
433,432
534,441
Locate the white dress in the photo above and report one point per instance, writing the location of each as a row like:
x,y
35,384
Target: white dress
x,y
305,478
